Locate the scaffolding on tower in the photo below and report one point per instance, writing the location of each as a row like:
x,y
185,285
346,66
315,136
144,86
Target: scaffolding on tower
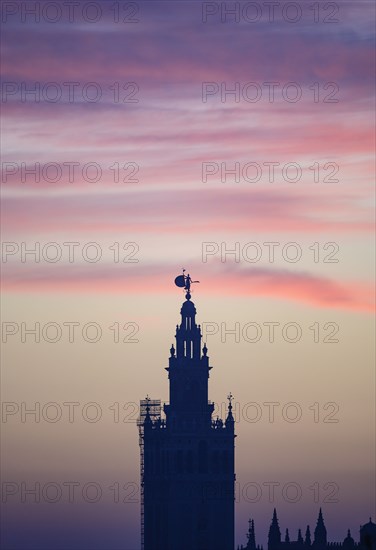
x,y
154,407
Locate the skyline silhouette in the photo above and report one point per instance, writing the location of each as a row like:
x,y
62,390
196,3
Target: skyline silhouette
x,y
319,541
188,462
234,139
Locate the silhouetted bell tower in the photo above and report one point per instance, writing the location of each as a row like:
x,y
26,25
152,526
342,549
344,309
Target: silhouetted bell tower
x,y
187,459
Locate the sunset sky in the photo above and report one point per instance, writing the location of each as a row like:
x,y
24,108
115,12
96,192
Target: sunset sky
x,y
132,120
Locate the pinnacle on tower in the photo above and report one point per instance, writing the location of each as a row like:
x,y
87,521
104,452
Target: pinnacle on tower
x,y
148,419
307,540
230,419
320,539
251,536
274,538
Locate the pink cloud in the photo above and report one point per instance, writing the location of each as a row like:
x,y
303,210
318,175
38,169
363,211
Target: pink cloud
x,y
224,280
170,148
197,210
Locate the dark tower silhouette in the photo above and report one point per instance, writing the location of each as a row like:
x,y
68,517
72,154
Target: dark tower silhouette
x,y
187,459
320,538
274,538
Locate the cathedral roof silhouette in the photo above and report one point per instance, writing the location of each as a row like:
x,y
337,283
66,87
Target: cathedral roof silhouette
x,y
367,538
370,526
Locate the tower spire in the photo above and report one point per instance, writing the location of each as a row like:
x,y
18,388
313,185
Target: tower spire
x,y
307,540
320,539
274,537
251,545
188,368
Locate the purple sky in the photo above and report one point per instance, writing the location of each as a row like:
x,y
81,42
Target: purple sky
x,y
130,137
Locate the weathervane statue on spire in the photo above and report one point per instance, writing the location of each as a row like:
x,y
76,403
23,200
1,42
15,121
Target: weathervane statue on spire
x,y
185,281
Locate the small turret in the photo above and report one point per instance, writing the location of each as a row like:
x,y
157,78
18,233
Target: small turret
x,y
230,422
251,536
307,540
348,543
